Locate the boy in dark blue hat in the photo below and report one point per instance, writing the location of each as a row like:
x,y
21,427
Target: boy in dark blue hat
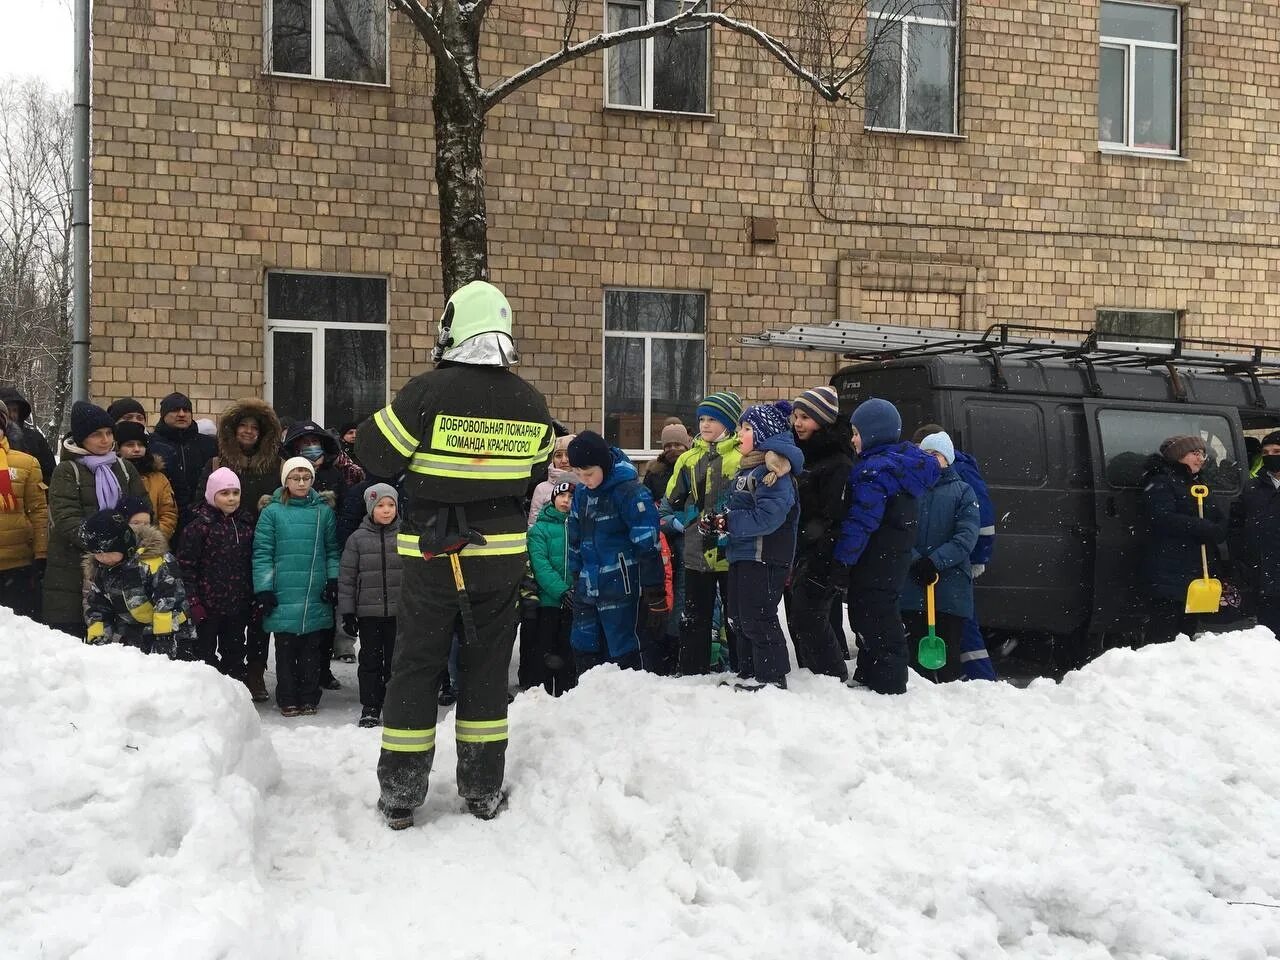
x,y
875,541
761,520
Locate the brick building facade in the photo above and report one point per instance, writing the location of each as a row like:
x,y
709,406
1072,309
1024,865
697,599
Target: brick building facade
x,y
213,174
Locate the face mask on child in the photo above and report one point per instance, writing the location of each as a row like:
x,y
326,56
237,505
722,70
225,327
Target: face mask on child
x,y
312,451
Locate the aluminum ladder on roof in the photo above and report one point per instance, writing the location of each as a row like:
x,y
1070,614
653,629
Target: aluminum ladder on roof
x,y
877,342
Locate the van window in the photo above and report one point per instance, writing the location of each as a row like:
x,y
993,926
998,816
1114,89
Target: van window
x,y
1007,440
1130,437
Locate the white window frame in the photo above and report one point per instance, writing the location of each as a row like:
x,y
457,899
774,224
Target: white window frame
x,y
316,329
906,19
649,337
317,50
646,94
1130,47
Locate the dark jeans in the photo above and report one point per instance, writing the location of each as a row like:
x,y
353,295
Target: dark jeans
x,y
1269,614
1168,618
531,671
220,643
18,591
258,642
584,660
951,629
298,663
377,646
554,624
755,590
809,610
700,590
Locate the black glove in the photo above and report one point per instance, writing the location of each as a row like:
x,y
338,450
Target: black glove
x,y
655,601
566,600
713,524
838,578
351,624
923,571
265,601
329,594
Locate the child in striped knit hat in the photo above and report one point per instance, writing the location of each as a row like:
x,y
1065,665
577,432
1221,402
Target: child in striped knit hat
x,y
699,486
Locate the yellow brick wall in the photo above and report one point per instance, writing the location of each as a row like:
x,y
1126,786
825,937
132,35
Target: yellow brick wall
x,y
208,172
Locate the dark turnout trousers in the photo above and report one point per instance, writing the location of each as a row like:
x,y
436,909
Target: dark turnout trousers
x,y
425,626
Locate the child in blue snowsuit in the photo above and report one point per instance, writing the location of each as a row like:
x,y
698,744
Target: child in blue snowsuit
x,y
945,536
762,518
615,560
874,545
976,660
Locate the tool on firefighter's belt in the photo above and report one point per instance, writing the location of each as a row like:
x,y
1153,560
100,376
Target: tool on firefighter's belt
x,y
1203,595
433,545
932,652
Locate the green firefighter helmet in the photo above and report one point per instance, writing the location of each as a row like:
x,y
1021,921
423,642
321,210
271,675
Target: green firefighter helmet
x,y
476,327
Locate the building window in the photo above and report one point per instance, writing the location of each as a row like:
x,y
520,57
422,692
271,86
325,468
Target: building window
x,y
351,46
1137,326
660,73
1138,82
326,346
654,363
912,79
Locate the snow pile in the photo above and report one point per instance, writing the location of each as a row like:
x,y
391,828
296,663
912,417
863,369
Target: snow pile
x,y
1111,816
130,793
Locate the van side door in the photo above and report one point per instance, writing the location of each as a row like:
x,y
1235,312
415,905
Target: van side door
x,y
1123,437
1029,453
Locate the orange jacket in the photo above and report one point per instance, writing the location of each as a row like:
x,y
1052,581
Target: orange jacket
x,y
24,533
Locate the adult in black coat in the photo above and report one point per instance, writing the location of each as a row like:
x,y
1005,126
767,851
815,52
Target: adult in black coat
x,y
1171,559
1255,537
185,450
33,442
823,493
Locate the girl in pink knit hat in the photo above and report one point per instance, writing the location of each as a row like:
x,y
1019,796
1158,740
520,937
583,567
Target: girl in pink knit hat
x,y
216,559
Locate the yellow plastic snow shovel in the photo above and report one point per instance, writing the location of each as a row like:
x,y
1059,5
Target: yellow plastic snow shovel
x,y
1203,595
932,652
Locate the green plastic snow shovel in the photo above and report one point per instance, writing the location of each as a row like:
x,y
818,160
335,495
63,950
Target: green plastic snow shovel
x,y
932,652
1203,595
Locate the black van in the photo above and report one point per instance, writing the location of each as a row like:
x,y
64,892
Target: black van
x,y
1061,428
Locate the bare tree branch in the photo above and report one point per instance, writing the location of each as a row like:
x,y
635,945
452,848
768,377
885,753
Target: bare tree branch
x,y
692,18
429,30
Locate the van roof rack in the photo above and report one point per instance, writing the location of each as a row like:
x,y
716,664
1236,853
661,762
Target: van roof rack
x,y
878,342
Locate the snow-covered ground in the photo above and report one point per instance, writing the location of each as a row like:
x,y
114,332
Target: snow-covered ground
x,y
148,813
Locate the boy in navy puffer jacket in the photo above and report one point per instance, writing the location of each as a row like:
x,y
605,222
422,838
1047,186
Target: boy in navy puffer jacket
x,y
216,559
615,561
761,520
875,541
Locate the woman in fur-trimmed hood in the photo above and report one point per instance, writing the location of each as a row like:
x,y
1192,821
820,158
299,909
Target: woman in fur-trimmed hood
x,y
249,437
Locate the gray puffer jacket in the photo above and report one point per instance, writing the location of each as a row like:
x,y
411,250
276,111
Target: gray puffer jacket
x,y
369,579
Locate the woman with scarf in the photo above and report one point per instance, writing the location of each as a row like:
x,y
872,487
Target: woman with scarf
x,y
91,477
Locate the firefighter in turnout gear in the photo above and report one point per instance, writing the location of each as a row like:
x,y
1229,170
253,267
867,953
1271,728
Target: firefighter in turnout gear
x,y
470,436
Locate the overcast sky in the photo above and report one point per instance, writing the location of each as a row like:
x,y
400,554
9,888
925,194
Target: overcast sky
x,y
36,39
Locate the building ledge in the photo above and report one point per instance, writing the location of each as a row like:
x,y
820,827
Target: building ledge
x,y
645,112
1145,154
922,134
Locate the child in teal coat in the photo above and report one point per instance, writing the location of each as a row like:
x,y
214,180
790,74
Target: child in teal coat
x,y
295,582
549,558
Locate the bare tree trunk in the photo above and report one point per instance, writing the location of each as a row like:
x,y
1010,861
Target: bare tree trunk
x,y
459,133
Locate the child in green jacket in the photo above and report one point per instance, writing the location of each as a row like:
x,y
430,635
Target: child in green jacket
x,y
549,557
295,582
